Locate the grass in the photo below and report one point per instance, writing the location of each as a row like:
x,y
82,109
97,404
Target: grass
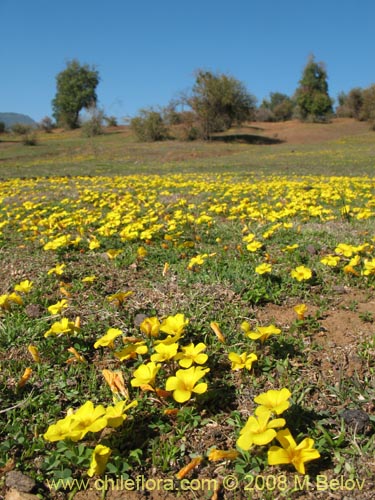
x,y
185,243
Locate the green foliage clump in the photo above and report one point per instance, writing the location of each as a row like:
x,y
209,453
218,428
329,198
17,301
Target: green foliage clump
x,y
219,101
76,90
94,124
278,108
46,124
27,133
312,98
149,126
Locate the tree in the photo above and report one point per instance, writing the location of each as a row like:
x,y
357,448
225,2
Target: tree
x,y
219,101
368,106
280,106
76,90
312,98
350,105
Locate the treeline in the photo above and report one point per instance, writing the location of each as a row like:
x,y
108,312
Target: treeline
x,y
215,103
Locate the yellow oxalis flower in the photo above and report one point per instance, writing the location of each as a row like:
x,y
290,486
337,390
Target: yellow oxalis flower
x,y
301,273
259,430
291,453
64,326
116,414
24,287
164,352
174,325
108,339
99,460
150,326
113,253
25,377
76,425
263,268
216,455
243,360
261,332
115,380
131,351
300,310
34,353
58,269
192,354
145,375
119,298
183,383
330,260
273,400
58,307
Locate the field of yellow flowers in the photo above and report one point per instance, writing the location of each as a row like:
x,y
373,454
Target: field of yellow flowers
x,y
168,333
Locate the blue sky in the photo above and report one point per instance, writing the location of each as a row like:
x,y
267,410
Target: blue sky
x,y
146,51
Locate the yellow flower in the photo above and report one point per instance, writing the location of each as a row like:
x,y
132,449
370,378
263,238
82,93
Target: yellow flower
x,y
58,269
108,339
183,383
119,298
115,380
24,287
116,414
301,273
25,377
113,253
300,310
291,453
216,329
273,400
216,455
14,297
254,246
164,352
34,353
88,279
261,332
240,361
259,430
141,253
99,459
88,418
150,326
263,268
369,267
61,327
174,325
76,356
131,351
330,260
145,375
192,354
58,307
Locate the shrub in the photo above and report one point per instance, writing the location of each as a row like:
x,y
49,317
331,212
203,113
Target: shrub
x,y
94,124
27,133
46,124
2,127
149,126
110,121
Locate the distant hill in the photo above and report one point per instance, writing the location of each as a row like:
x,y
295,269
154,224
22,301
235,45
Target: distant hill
x,y
11,118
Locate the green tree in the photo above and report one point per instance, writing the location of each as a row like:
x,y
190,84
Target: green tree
x,y
312,98
76,90
280,105
368,106
219,101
